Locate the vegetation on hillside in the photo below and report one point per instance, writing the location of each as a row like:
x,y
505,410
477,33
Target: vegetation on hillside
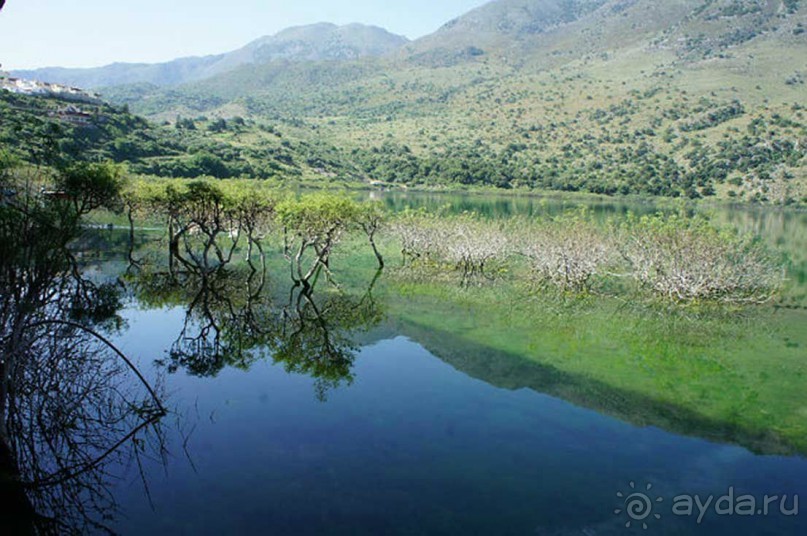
x,y
689,99
54,133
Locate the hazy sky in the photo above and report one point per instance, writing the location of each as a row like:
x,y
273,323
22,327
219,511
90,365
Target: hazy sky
x,y
87,33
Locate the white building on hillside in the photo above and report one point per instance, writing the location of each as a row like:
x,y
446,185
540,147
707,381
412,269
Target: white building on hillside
x,y
42,89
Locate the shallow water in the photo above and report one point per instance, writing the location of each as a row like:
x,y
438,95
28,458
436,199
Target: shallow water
x,y
443,411
415,446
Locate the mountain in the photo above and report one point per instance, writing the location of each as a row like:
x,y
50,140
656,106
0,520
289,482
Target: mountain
x,y
681,98
501,24
549,33
317,42
324,41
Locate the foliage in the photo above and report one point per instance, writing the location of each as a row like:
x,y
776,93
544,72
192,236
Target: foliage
x,y
686,259
568,250
315,223
90,186
49,132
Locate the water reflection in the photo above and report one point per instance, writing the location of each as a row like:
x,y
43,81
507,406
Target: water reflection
x,y
224,316
73,408
75,413
233,318
723,375
313,335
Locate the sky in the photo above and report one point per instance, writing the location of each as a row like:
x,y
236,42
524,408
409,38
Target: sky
x,y
90,33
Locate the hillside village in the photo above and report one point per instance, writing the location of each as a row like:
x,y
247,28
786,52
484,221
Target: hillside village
x,y
72,98
22,86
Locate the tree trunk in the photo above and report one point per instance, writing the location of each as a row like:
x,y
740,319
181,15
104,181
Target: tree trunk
x,y
375,250
131,236
16,511
173,246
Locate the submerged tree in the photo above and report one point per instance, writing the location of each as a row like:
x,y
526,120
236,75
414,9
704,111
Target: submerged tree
x,y
255,213
371,219
202,220
417,232
312,226
465,243
471,245
567,251
202,215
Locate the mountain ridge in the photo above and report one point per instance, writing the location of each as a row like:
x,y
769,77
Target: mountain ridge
x,y
679,98
500,20
315,42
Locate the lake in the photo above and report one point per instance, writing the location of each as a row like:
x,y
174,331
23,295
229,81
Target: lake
x,y
402,406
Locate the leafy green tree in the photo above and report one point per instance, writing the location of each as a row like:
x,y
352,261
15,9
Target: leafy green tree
x,y
313,225
90,186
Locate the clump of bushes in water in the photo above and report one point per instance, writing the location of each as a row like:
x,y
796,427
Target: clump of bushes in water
x,y
568,251
674,257
466,243
687,259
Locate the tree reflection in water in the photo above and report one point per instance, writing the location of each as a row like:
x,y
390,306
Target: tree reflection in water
x,y
233,319
313,337
73,409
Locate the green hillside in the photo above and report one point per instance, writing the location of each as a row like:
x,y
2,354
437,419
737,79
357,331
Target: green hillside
x,y
681,98
692,98
51,132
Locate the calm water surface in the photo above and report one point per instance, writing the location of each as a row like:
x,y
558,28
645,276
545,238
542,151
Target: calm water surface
x,y
429,433
415,446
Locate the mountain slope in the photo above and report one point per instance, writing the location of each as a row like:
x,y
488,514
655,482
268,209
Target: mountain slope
x,y
51,131
676,98
499,24
679,98
317,42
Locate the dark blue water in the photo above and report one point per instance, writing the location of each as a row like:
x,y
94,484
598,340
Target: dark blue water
x,y
414,446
